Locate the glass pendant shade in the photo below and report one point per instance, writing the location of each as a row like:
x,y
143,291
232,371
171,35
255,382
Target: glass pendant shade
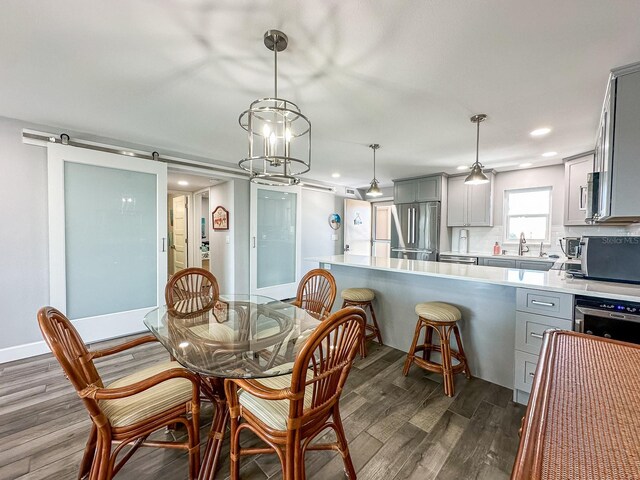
x,y
477,176
278,134
374,189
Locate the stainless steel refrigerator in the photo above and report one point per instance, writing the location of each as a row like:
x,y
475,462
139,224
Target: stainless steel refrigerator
x,y
415,231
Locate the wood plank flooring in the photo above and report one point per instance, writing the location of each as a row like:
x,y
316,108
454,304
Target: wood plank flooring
x,y
398,428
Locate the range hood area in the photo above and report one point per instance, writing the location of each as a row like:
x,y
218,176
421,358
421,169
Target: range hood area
x,y
613,190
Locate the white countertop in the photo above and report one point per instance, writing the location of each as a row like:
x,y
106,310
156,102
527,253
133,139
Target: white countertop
x,y
553,280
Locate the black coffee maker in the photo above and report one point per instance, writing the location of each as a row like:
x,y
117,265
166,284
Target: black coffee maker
x,y
570,246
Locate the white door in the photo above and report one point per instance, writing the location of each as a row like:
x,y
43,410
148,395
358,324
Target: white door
x,y
107,239
275,240
179,244
357,227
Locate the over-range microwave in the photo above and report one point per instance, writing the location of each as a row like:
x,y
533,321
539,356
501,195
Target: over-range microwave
x,y
611,258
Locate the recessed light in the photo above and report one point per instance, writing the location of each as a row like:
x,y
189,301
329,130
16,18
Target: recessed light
x,y
538,132
335,175
525,165
549,154
183,183
462,167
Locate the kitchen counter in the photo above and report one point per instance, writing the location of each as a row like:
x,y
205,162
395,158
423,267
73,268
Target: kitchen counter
x,y
554,280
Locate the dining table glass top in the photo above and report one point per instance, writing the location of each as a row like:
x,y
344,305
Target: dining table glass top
x,y
237,336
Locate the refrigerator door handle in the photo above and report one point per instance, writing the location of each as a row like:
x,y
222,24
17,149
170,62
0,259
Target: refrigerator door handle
x,y
413,225
408,225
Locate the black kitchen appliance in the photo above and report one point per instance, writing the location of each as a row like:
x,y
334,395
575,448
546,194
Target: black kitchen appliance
x,y
614,259
615,319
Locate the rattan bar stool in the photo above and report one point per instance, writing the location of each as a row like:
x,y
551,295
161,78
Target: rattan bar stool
x,y
363,298
442,318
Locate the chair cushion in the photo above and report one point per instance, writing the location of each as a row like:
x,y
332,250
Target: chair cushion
x,y
154,400
358,294
217,332
438,311
273,413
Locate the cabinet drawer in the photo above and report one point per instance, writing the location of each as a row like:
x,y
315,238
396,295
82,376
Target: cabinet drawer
x,y
499,262
534,265
531,326
526,364
546,303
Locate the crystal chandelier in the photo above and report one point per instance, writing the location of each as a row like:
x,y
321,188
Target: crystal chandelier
x,y
279,135
477,176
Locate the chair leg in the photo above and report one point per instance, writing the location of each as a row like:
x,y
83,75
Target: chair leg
x,y
101,469
463,357
234,454
363,346
89,454
412,349
428,340
447,372
375,324
343,445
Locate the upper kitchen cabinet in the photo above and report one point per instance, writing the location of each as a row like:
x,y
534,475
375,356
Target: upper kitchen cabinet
x,y
424,189
469,205
617,152
576,171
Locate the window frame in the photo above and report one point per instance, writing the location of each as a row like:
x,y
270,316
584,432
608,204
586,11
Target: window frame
x,y
506,217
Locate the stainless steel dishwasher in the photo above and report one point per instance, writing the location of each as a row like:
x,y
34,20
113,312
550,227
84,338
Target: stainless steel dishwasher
x,y
459,259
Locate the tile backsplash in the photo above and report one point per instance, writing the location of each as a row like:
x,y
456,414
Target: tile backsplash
x,y
482,239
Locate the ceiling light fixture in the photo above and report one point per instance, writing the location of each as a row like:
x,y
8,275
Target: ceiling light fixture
x,y
539,132
183,183
273,125
335,175
525,165
549,154
462,167
374,189
477,176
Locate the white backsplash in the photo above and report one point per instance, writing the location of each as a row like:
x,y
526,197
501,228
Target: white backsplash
x,y
482,239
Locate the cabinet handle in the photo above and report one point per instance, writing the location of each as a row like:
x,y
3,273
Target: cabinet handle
x,y
531,374
544,304
536,335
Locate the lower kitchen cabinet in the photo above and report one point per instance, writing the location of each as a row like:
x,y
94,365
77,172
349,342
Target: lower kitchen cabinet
x,y
497,262
533,265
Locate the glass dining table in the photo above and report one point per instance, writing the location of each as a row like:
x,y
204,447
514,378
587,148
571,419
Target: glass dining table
x,y
237,336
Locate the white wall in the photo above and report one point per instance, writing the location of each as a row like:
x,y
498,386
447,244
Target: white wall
x,y
24,263
317,235
221,245
481,239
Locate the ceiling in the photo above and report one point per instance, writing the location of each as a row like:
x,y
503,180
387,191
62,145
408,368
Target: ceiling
x,y
194,182
176,74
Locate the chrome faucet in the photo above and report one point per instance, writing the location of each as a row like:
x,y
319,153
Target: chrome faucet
x,y
521,245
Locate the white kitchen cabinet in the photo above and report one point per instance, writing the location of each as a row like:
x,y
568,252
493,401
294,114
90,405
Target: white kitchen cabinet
x,y
469,205
576,169
425,189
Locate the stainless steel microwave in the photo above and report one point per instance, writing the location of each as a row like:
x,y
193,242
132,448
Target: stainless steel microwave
x,y
616,259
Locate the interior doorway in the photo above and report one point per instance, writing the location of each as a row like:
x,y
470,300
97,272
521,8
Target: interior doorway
x,y
381,229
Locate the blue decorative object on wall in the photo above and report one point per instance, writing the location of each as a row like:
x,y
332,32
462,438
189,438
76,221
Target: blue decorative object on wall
x,y
335,221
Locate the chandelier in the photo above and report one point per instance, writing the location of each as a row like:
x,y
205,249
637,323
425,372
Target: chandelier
x,y
279,135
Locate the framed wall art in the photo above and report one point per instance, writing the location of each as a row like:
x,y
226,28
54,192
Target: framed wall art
x,y
220,218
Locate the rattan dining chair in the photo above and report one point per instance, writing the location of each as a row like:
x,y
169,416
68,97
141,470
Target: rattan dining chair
x,y
127,411
191,289
289,411
316,293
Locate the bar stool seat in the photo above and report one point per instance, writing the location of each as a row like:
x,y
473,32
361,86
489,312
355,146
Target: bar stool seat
x,y
441,318
358,294
363,298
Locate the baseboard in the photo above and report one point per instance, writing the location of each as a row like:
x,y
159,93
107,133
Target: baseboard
x,y
18,352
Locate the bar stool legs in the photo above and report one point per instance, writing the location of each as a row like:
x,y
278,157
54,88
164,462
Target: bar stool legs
x,y
372,330
444,328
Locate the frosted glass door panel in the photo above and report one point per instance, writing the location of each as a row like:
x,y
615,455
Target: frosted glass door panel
x,y
111,240
276,237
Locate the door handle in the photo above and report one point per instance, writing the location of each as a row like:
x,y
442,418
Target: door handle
x,y
164,244
536,335
254,242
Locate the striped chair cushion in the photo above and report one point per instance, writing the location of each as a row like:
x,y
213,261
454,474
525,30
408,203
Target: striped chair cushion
x,y
358,294
215,331
154,400
438,311
273,413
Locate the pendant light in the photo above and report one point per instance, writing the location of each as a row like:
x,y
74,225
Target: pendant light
x,y
278,134
374,189
477,176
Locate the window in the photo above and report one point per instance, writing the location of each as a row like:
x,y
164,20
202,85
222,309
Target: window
x,y
527,211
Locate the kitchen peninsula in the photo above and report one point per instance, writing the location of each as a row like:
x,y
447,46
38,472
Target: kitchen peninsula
x,y
500,307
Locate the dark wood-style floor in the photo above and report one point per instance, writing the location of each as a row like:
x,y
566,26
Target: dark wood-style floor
x,y
398,428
